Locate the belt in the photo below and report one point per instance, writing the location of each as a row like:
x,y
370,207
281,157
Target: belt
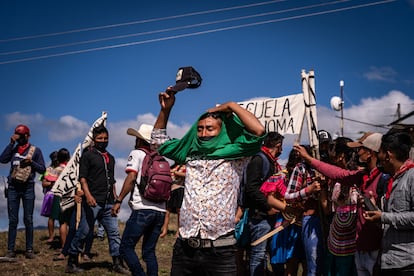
x,y
195,242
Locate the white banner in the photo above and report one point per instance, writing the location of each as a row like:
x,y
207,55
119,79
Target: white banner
x,y
283,115
65,185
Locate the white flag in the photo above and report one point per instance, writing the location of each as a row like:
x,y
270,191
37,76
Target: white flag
x,y
65,185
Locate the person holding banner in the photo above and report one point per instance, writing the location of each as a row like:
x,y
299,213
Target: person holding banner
x,y
215,150
26,160
96,176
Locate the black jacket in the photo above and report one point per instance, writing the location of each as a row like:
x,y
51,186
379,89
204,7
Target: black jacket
x,y
255,200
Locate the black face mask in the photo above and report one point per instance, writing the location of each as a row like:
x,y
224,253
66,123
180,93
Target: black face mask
x,y
22,140
206,138
101,146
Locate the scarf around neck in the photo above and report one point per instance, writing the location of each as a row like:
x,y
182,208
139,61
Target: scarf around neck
x,y
266,151
232,142
368,178
22,148
408,164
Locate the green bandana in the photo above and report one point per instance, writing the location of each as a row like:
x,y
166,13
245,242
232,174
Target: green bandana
x,y
232,142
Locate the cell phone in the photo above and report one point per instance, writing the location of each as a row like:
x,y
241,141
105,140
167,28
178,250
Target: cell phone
x,y
369,206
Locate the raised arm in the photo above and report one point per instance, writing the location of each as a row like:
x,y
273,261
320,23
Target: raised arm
x,y
251,123
167,100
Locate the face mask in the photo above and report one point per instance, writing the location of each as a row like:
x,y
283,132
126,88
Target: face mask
x,y
101,146
22,140
206,138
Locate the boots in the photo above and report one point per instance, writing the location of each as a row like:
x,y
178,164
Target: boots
x,y
73,265
118,266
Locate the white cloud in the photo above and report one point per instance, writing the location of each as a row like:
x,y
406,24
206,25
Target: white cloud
x,y
73,128
387,74
16,118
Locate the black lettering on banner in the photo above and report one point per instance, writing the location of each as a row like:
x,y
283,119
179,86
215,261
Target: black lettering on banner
x,y
282,126
268,108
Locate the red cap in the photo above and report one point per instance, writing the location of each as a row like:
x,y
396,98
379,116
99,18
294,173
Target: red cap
x,y
22,129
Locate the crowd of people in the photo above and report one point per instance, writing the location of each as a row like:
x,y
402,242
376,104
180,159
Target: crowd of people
x,y
347,209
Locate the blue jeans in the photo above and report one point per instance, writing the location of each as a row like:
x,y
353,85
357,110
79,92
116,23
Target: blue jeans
x,y
25,193
313,244
258,228
71,233
213,261
146,223
88,217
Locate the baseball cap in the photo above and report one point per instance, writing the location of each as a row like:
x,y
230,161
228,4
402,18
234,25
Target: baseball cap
x,y
22,129
187,77
370,140
324,136
144,132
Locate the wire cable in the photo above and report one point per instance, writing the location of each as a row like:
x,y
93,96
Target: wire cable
x,y
197,33
169,29
142,21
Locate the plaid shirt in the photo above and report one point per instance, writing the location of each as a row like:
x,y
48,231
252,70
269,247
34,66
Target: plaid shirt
x,y
210,195
301,178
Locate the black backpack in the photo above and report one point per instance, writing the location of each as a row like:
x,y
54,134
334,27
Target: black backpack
x,y
265,170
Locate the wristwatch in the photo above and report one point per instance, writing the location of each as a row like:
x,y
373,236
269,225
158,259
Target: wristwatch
x,y
118,201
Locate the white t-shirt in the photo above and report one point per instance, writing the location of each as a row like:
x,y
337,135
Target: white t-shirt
x,y
136,201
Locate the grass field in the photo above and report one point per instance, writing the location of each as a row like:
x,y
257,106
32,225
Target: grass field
x,y
43,264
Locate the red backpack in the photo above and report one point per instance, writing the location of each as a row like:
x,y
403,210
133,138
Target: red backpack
x,y
155,184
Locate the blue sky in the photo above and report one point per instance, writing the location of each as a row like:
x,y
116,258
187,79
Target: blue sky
x,y
59,68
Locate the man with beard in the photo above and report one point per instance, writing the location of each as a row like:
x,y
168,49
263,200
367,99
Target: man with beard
x,y
25,160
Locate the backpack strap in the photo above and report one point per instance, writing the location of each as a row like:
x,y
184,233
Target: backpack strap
x,y
145,161
265,171
31,151
266,165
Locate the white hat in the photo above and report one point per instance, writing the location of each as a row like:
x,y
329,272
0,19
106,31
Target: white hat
x,y
370,140
144,132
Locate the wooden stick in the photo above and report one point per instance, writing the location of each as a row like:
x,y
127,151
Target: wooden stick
x,y
78,215
285,224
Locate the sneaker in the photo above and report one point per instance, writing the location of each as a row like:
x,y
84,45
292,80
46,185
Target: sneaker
x,y
61,257
87,257
121,270
29,254
10,254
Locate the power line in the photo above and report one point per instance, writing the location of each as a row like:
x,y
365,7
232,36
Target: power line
x,y
141,21
169,29
196,33
365,123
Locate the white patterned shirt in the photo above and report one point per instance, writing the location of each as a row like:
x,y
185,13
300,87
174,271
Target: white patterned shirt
x,y
211,191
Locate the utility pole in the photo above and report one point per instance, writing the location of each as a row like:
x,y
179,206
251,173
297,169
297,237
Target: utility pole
x,y
398,111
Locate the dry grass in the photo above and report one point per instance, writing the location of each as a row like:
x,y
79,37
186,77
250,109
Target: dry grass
x,y
43,264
